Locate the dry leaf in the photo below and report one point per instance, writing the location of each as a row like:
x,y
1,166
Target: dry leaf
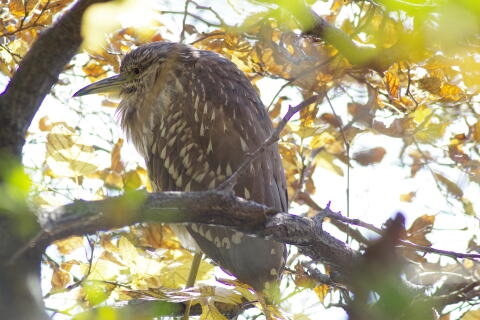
x,y
407,197
371,156
60,279
420,228
116,161
68,245
321,291
393,84
452,187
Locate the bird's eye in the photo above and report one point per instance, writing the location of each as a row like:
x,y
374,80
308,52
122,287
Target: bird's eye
x,y
136,70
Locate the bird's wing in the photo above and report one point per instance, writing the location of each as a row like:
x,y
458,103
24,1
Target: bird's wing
x,y
229,121
212,124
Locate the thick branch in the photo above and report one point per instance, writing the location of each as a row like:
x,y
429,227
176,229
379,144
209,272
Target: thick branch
x,y
36,74
210,207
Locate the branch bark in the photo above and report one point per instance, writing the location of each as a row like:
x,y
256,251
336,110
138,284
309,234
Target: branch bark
x,y
20,294
36,75
208,207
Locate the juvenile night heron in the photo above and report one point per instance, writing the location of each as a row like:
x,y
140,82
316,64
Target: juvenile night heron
x,y
193,116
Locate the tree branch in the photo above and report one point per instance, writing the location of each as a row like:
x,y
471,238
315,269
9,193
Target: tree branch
x,y
20,296
36,74
209,207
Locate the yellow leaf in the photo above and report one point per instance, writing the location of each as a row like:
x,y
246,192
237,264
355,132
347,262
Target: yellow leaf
x,y
476,131
44,124
18,46
60,279
468,207
127,251
97,292
81,168
68,245
102,270
431,132
106,243
114,180
407,197
156,235
321,291
393,84
94,70
322,139
451,92
66,156
421,114
59,141
43,18
243,289
108,256
132,180
210,312
4,66
67,266
275,111
176,268
326,160
471,315
304,130
451,186
17,8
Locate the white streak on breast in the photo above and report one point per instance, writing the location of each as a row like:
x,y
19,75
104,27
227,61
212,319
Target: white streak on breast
x,y
243,144
247,193
237,237
199,177
208,235
163,154
212,184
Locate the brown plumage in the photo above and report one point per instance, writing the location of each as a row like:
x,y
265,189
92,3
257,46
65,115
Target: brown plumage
x,y
193,116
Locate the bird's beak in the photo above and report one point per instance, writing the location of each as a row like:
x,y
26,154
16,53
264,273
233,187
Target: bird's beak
x,y
112,84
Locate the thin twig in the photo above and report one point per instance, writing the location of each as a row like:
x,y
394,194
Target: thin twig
x,y
298,77
197,17
215,13
208,35
344,227
347,147
185,13
84,278
408,244
231,181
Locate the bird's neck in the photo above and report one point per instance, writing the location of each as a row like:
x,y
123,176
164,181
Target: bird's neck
x,y
140,113
136,120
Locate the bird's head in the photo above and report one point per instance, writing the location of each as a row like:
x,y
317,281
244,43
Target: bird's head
x,y
136,68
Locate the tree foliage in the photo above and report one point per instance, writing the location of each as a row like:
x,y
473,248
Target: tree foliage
x,y
396,79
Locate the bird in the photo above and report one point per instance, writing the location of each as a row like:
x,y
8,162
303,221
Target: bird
x,y
194,116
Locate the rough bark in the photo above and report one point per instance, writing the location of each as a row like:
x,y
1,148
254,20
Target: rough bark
x,y
208,207
20,295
